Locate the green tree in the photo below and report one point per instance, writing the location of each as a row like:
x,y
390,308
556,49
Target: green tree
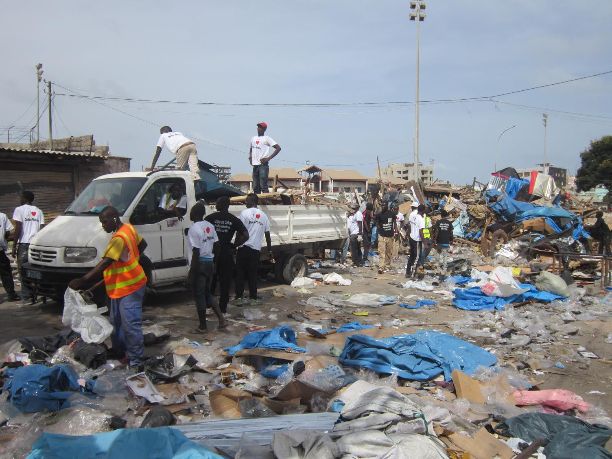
x,y
596,165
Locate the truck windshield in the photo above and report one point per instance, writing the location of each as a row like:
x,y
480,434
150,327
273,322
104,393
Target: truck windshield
x,y
116,192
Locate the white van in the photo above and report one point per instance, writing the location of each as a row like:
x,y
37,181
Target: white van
x,y
74,242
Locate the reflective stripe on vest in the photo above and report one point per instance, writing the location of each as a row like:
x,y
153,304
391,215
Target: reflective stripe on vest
x,y
426,232
125,277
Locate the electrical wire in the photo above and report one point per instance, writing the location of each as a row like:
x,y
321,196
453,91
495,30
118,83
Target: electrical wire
x,y
323,104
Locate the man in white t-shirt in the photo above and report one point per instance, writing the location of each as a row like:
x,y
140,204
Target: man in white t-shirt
x,y
248,254
174,202
417,224
259,157
354,226
6,272
182,147
202,238
28,219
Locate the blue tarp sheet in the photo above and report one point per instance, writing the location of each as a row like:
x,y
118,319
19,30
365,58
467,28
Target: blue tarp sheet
x,y
418,305
460,280
159,443
514,185
352,326
472,299
420,356
36,387
279,338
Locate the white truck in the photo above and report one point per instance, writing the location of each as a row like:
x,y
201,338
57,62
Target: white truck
x,y
74,242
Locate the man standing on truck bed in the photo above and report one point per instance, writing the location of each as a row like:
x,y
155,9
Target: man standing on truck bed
x,y
259,157
182,147
247,255
28,220
125,282
226,225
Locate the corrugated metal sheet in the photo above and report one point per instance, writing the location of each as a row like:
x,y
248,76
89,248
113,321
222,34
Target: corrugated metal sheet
x,y
53,189
52,152
227,434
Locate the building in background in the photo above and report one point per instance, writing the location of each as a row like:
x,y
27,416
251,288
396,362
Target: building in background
x,y
406,171
327,180
55,176
559,174
284,178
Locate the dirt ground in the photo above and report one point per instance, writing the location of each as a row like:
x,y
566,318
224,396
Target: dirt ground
x,y
589,378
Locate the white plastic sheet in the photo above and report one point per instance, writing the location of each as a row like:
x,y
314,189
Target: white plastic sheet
x,y
502,284
85,318
299,282
335,278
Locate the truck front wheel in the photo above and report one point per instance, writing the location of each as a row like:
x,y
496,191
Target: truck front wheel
x,y
296,266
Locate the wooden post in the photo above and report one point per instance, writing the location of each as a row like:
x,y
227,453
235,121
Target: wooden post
x,y
50,117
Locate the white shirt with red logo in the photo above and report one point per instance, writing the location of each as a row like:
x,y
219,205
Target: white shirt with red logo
x,y
202,235
257,223
260,147
31,218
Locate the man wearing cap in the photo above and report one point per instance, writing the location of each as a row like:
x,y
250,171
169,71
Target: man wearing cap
x,y
182,147
259,157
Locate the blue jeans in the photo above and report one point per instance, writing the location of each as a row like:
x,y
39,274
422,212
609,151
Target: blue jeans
x,y
126,317
260,178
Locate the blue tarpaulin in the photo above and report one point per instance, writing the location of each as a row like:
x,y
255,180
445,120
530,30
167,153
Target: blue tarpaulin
x,y
352,326
473,299
460,280
279,338
420,356
514,185
158,443
36,387
419,304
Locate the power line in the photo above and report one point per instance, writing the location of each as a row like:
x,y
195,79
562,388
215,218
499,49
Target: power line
x,y
26,111
321,104
54,105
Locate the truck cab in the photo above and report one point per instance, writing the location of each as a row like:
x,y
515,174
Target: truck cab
x,y
75,242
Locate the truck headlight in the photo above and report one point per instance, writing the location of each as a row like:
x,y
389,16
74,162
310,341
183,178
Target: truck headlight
x,y
79,254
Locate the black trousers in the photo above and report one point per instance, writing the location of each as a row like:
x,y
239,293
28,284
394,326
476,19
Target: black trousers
x,y
201,290
224,273
6,274
415,253
355,249
247,264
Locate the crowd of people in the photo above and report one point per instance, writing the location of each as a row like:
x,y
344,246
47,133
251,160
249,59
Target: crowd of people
x,y
389,231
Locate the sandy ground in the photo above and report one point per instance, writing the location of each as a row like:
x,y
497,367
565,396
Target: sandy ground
x,y
589,378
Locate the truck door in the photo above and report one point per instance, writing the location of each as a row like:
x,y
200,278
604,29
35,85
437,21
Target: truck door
x,y
162,227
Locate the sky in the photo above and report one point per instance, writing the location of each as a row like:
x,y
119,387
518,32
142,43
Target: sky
x,y
343,52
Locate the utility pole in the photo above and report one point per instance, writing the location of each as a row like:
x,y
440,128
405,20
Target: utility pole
x,y
50,118
39,73
545,121
418,15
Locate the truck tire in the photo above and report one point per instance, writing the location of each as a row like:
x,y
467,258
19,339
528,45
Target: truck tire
x,y
296,266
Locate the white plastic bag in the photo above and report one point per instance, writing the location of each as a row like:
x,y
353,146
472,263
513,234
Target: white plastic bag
x,y
501,283
85,318
302,282
335,278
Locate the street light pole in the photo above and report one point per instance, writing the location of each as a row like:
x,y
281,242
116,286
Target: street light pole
x,y
8,134
418,15
39,73
498,139
545,121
